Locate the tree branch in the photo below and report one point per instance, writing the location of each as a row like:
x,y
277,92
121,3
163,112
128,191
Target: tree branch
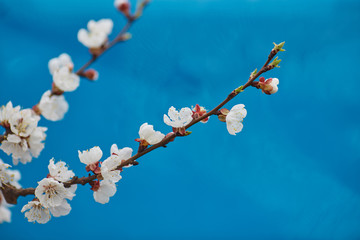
x,y
11,193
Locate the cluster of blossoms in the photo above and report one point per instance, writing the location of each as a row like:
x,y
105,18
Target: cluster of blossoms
x,y
23,138
11,177
51,195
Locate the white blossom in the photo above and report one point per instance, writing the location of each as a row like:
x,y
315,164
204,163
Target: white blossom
x,y
6,112
274,82
122,154
23,149
66,80
235,118
90,156
35,211
23,123
106,190
60,171
148,134
97,33
18,147
9,176
64,60
62,210
178,119
51,193
5,213
53,107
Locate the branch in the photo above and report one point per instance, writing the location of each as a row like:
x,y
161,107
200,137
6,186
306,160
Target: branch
x,y
11,193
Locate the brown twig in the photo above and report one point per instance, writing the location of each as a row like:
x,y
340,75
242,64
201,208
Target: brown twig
x,y
11,193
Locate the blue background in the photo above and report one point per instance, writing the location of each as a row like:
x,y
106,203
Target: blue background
x,y
292,173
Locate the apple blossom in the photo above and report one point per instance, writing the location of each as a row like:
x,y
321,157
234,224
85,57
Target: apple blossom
x,y
199,111
148,134
36,212
234,119
178,119
97,33
61,210
53,107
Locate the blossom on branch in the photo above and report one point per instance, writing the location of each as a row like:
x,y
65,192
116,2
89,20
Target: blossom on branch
x,y
199,111
66,80
123,154
23,138
268,86
53,107
178,119
51,193
8,176
36,212
24,122
91,158
235,118
60,171
148,136
6,112
106,190
97,34
64,60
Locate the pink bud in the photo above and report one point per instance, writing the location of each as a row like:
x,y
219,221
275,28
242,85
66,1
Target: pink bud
x,y
123,6
91,74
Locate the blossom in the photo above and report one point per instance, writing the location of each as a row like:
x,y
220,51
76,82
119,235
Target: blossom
x,y
53,107
106,190
5,213
122,154
64,60
269,86
24,122
62,210
6,112
148,134
90,156
97,33
36,212
66,80
9,176
18,147
199,111
234,119
51,193
59,171
178,119
23,149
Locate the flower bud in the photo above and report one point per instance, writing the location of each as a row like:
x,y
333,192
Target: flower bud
x,y
91,74
123,6
269,86
199,111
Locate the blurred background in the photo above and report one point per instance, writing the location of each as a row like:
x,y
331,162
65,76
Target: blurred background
x,y
292,173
